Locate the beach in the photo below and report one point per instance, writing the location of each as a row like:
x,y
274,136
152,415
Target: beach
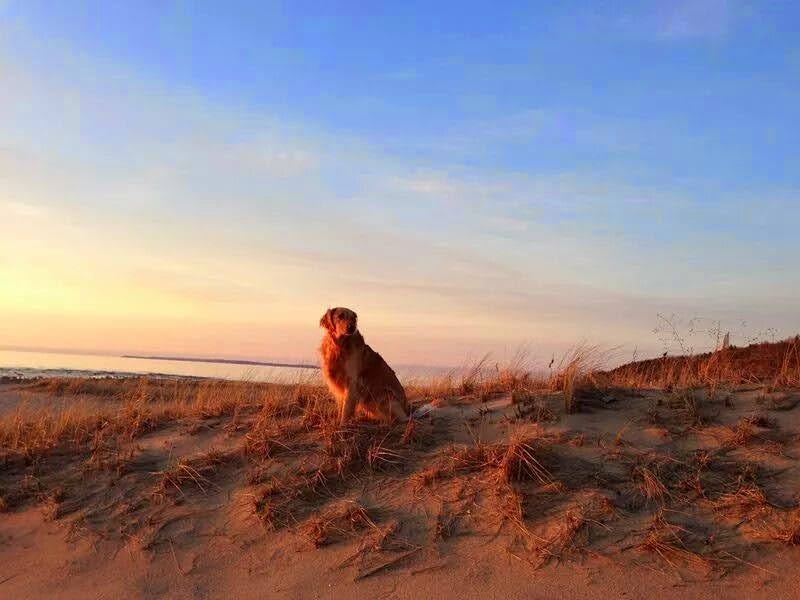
x,y
146,487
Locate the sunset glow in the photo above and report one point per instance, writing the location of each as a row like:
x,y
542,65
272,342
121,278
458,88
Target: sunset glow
x,y
207,183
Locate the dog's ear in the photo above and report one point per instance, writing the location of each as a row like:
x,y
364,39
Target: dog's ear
x,y
327,320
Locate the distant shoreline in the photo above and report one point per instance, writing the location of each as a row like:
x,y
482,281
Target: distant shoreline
x,y
225,361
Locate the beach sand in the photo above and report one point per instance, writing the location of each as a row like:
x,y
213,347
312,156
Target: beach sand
x,y
639,494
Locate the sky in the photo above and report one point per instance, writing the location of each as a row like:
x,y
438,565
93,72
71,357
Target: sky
x,y
206,178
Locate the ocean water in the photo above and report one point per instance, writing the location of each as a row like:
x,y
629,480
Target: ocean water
x,y
55,364
52,364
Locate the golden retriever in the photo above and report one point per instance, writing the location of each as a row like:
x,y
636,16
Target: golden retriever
x,y
356,375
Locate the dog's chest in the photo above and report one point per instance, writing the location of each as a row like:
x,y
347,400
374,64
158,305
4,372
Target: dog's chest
x,y
340,366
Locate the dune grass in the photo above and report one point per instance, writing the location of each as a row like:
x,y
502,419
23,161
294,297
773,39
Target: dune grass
x,y
773,364
296,469
139,405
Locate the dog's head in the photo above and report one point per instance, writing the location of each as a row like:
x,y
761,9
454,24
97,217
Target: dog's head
x,y
340,322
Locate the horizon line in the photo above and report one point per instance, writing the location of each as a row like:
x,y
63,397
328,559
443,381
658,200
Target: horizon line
x,y
227,361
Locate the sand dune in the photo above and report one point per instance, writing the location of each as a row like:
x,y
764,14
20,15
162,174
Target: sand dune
x,y
204,489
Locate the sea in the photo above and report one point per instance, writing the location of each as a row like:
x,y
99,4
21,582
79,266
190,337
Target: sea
x,y
29,364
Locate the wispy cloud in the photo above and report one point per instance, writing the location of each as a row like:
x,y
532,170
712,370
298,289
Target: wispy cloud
x,y
431,184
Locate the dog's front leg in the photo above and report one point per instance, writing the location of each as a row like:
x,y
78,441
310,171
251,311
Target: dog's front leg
x,y
348,406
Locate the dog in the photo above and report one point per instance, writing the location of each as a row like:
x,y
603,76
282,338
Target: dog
x,y
357,376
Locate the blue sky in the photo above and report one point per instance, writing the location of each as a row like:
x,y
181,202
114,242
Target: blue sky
x,y
205,178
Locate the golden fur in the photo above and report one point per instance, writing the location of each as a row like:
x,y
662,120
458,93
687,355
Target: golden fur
x,y
356,375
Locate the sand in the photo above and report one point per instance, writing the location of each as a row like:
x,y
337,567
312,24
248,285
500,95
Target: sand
x,y
120,530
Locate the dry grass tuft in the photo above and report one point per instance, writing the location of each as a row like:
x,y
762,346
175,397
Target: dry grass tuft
x,y
335,523
675,545
576,371
777,525
428,477
688,406
788,374
480,379
571,522
35,434
570,532
271,435
509,507
340,455
447,522
755,430
789,533
176,477
740,434
382,550
519,463
51,504
109,453
195,472
762,421
578,440
279,503
532,407
468,459
348,449
711,477
316,404
381,457
744,502
516,462
649,484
